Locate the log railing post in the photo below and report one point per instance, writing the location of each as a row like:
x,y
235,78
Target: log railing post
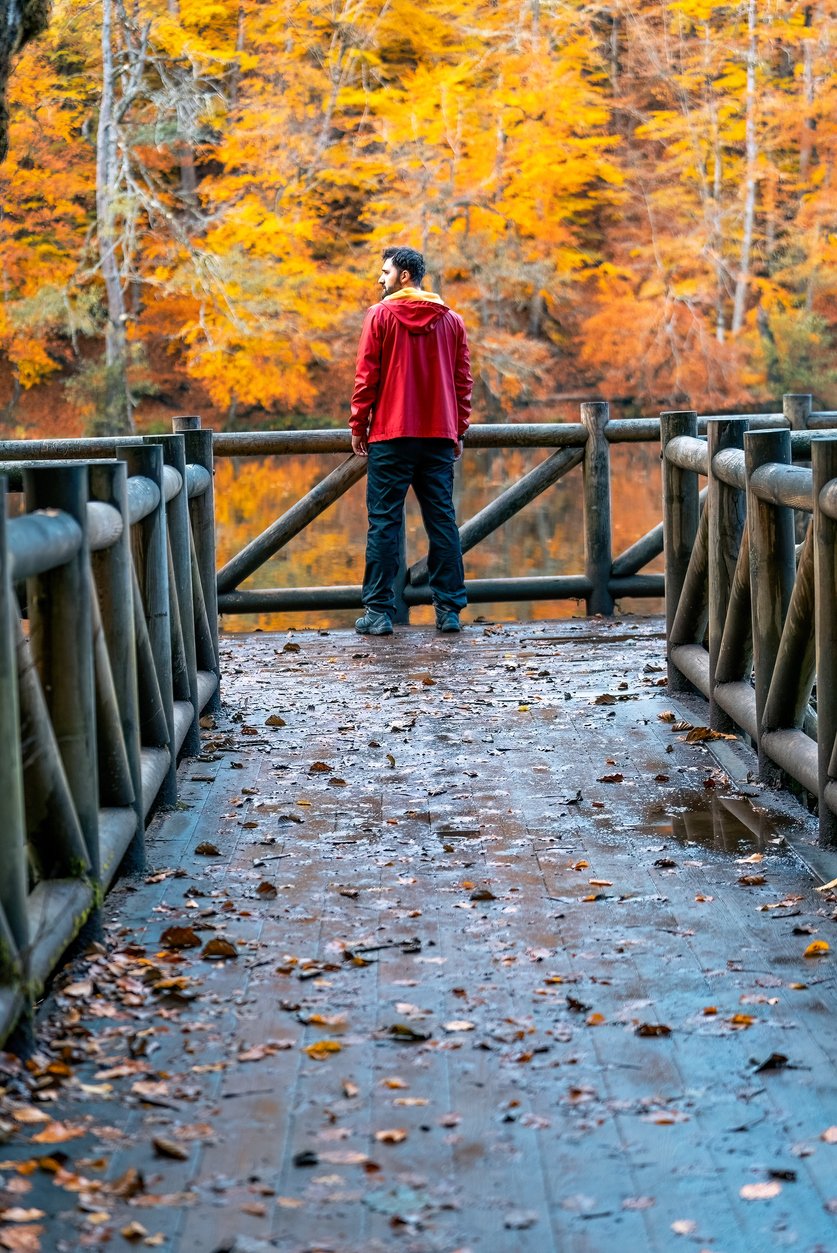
x,y
681,513
727,519
13,878
596,473
824,469
114,588
198,445
796,408
150,555
61,635
772,573
180,547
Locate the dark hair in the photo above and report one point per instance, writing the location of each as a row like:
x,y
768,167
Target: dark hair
x,y
406,259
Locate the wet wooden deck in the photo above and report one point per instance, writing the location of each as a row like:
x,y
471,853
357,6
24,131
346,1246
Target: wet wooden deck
x,y
518,968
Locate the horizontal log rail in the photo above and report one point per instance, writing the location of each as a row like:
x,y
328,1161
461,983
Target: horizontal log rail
x,y
751,587
585,443
108,657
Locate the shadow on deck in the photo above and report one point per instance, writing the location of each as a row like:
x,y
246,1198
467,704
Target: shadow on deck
x,y
514,967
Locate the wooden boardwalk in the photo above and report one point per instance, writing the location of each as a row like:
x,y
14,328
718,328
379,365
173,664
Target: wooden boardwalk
x,y
517,969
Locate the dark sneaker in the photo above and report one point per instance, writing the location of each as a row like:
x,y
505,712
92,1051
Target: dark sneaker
x,y
373,623
447,620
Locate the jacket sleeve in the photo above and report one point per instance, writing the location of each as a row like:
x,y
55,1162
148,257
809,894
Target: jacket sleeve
x,y
463,383
367,374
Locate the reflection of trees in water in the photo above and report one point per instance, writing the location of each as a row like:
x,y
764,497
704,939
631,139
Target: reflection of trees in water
x,y
547,537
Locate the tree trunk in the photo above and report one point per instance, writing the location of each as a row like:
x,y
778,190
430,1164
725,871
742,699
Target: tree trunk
x,y
116,416
751,155
20,21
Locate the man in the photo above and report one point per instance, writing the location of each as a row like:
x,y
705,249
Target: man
x,y
411,406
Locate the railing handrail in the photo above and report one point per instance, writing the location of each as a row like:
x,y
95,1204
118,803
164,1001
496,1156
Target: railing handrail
x,y
118,664
751,593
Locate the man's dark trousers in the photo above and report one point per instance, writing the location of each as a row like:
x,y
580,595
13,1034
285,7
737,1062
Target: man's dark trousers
x,y
427,464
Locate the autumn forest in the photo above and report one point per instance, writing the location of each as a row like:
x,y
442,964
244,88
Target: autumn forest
x,y
633,199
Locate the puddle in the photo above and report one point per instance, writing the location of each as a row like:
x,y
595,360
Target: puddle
x,y
723,824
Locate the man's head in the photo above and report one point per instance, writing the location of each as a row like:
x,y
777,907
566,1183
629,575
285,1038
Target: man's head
x,y
402,267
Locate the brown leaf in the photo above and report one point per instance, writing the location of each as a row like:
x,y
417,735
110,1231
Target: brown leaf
x,y
169,1148
217,949
179,937
134,1231
320,767
58,1133
18,1215
751,880
206,849
275,721
482,894
610,778
652,1029
21,1239
393,1135
267,890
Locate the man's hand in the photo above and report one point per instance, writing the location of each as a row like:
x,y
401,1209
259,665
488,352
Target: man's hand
x,y
457,452
359,446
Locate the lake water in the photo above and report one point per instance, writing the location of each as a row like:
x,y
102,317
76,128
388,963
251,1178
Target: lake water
x,y
546,538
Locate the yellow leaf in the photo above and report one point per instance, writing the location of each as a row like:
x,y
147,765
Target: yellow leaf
x,y
321,1049
817,948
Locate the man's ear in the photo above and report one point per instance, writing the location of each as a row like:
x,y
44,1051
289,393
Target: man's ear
x,y
405,278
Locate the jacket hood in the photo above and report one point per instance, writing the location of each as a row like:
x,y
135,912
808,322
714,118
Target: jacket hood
x,y
417,310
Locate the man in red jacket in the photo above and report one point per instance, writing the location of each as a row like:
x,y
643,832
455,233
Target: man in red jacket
x,y
411,406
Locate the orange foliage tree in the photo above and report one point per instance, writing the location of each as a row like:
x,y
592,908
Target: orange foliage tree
x,y
635,199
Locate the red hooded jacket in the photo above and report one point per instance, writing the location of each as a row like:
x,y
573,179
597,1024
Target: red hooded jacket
x,y
413,375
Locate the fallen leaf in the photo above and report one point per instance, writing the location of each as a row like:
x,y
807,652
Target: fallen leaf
x,y
651,1030
321,1049
267,891
742,1020
519,1220
320,767
458,1024
596,1020
817,948
776,1061
610,778
29,1114
21,1239
760,1191
684,1226
407,1034
58,1133
205,849
829,1135
350,1089
217,949
392,1135
275,721
751,880
17,1215
169,1148
179,937
134,1231
826,887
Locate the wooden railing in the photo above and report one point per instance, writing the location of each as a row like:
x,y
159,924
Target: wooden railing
x,y
108,655
751,585
586,443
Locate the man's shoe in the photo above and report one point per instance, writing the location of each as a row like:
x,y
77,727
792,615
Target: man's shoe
x,y
447,620
374,623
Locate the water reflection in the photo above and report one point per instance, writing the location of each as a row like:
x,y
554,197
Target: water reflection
x,y
547,537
